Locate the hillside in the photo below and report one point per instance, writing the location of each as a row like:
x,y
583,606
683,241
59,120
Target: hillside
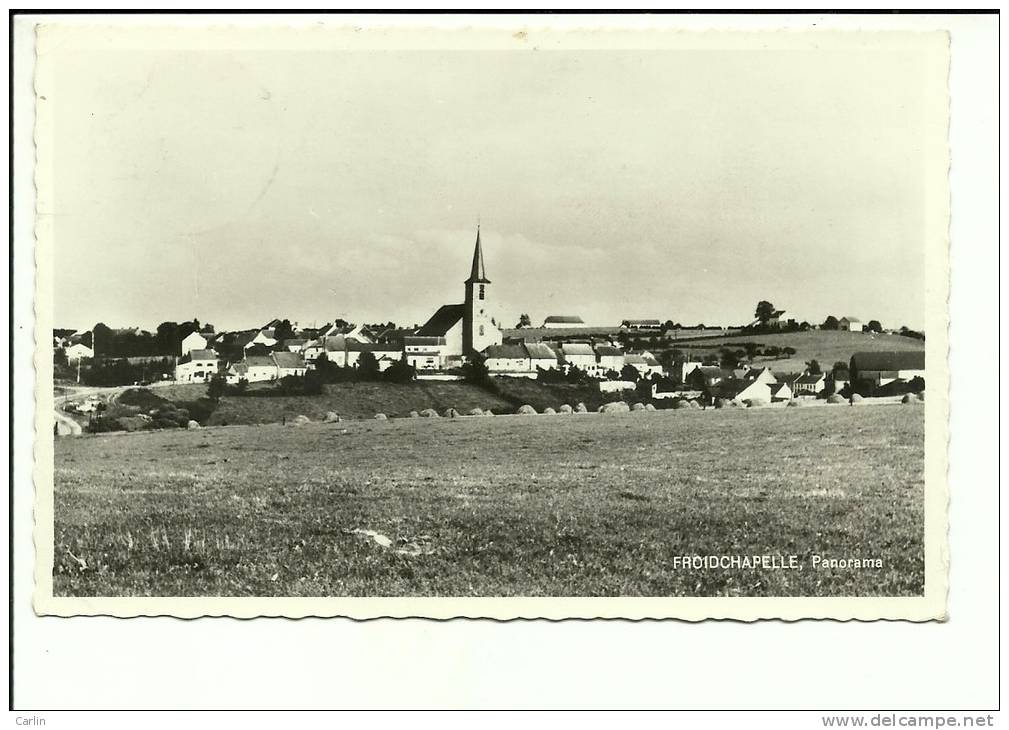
x,y
825,346
356,400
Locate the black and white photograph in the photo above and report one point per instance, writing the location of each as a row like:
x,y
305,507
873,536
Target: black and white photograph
x,y
492,323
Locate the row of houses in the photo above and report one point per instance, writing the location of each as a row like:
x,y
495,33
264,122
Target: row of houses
x,y
597,360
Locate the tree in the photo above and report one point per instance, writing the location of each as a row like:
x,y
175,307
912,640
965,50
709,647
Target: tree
x,y
752,349
839,365
169,342
524,321
830,323
813,367
630,373
874,326
283,331
216,387
367,366
668,325
400,371
102,340
788,351
772,351
764,311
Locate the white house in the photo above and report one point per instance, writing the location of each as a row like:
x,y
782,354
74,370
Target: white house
x,y
288,363
609,358
541,357
645,363
79,351
254,369
779,392
742,391
507,359
850,324
425,353
193,341
263,337
579,354
764,375
809,384
197,366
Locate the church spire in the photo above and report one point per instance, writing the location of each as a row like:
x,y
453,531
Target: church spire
x,y
477,275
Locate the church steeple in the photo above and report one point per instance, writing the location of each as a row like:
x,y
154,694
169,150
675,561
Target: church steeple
x,y
477,275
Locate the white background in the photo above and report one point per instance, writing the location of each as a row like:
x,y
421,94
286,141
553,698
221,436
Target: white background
x,y
269,663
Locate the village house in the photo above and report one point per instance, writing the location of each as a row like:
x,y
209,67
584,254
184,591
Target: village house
x,y
741,391
295,345
764,375
560,321
425,352
253,369
193,341
265,337
508,359
645,363
79,351
881,368
682,369
288,363
779,392
608,358
578,354
850,324
706,376
197,366
809,384
541,357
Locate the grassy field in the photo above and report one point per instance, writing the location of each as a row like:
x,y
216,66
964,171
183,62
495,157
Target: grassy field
x,y
825,346
537,505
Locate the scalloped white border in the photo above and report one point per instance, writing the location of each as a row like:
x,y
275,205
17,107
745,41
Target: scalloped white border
x,y
536,35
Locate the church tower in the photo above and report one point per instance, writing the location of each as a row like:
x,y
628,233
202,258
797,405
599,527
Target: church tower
x,y
478,332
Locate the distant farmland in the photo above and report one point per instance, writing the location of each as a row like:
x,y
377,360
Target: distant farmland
x,y
824,346
539,505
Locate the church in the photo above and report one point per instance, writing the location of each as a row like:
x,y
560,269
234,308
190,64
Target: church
x,y
459,330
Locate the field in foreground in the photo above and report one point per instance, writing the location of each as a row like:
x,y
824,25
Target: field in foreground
x,y
539,505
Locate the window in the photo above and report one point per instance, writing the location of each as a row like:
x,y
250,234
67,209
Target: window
x,y
481,291
481,330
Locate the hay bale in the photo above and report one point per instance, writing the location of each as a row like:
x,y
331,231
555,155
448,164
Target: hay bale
x,y
649,407
451,413
475,412
548,411
526,410
679,404
331,417
856,399
193,426
835,399
413,414
429,413
615,407
580,408
300,420
755,403
794,403
694,404
565,409
638,407
909,398
921,396
381,417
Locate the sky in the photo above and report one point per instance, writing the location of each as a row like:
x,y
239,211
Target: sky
x,y
236,186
